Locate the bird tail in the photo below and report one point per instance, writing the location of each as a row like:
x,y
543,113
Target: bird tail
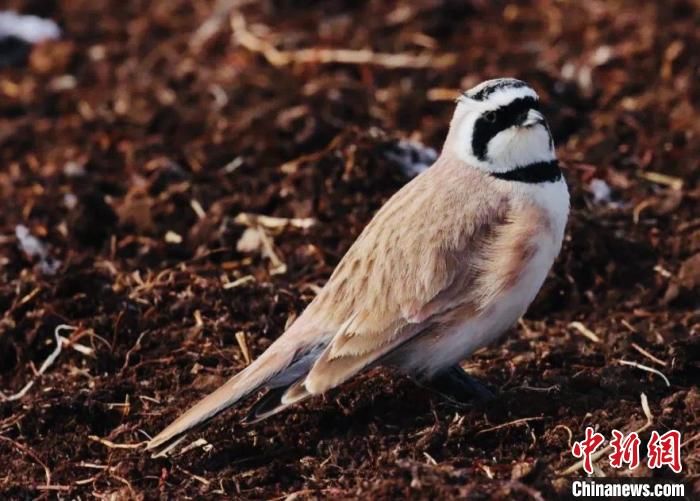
x,y
278,364
276,400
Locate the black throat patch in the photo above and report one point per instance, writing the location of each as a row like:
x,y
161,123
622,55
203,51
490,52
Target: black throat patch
x,y
538,172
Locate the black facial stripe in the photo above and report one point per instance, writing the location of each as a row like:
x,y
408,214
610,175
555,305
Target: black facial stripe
x,y
506,117
485,92
538,172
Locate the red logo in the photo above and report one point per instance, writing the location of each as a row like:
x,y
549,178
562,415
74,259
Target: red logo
x,y
585,448
625,449
662,450
665,450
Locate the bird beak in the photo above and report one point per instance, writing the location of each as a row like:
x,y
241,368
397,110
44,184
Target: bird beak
x,y
533,117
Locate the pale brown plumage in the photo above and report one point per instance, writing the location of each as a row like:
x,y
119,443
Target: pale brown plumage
x,y
443,250
380,295
404,270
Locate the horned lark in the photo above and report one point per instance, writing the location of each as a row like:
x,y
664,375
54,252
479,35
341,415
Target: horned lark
x,y
449,263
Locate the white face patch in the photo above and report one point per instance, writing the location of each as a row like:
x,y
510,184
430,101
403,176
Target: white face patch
x,y
515,145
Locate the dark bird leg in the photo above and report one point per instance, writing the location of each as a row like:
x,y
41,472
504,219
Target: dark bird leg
x,y
455,384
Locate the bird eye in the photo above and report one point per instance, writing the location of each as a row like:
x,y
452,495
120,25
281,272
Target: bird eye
x,y
490,116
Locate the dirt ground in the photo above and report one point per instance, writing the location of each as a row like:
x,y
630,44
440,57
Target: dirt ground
x,y
133,148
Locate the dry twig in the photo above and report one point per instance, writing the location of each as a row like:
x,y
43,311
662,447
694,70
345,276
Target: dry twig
x,y
510,423
646,368
648,355
238,282
215,22
47,363
137,346
672,182
198,478
273,223
585,331
113,445
277,57
570,439
243,344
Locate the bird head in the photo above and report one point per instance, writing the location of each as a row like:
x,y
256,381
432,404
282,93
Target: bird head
x,y
497,126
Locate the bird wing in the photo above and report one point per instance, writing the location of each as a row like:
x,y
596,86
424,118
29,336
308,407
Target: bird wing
x,y
418,256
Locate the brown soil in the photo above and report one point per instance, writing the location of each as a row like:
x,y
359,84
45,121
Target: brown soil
x,y
130,147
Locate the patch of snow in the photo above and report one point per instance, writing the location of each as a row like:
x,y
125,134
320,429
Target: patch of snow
x,y
33,247
31,29
600,190
412,157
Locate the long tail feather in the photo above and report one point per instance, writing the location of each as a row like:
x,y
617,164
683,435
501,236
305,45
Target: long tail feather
x,y
269,364
266,406
276,400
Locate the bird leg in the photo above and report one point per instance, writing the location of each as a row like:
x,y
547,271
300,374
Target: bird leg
x,y
455,384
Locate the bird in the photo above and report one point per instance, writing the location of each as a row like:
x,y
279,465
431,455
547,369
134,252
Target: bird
x,y
447,265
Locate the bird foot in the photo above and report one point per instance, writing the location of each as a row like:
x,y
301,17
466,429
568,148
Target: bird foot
x,y
458,386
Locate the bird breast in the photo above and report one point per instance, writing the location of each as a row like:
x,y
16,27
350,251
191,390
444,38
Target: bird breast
x,y
507,274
